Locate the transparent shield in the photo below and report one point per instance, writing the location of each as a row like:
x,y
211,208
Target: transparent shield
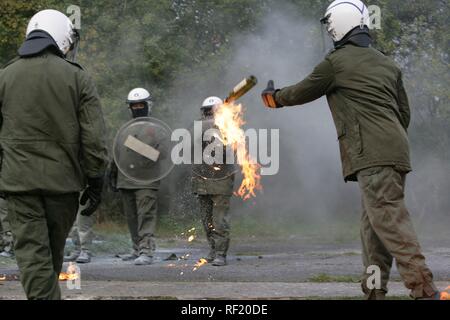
x,y
142,150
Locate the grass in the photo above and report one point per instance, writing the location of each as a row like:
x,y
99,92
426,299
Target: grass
x,y
246,227
113,244
107,228
326,278
171,230
6,262
170,227
113,239
338,232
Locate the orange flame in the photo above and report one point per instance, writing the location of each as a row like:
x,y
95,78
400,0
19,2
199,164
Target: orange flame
x,y
228,117
200,263
445,295
9,277
63,276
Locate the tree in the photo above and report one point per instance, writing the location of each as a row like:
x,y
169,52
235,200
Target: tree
x,y
15,16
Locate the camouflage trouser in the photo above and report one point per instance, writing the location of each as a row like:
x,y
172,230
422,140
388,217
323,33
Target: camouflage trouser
x,y
215,218
41,225
141,209
387,232
82,233
6,237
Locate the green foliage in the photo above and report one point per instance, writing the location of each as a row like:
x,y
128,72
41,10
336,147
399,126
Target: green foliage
x,y
416,34
149,43
14,19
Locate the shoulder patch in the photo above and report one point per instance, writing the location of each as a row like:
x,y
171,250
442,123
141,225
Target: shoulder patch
x,y
10,62
74,63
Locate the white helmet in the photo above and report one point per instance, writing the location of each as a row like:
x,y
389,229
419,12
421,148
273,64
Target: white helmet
x,y
342,16
211,102
139,95
58,26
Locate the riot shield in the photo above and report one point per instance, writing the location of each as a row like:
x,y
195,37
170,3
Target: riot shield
x,y
142,150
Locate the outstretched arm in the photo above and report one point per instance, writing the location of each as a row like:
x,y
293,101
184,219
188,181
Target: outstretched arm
x,y
317,84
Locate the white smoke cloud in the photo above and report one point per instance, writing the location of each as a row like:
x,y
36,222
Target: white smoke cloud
x,y
310,185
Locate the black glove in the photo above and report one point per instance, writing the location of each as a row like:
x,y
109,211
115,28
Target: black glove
x,y
268,96
93,193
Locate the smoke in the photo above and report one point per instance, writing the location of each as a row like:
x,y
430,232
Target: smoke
x,y
309,187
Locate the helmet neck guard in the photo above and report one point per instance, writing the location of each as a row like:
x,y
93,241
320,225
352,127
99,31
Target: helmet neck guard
x,y
357,36
36,43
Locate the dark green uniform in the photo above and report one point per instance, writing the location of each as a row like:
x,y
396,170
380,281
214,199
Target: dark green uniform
x,y
6,238
52,139
370,109
214,197
213,184
140,204
3,211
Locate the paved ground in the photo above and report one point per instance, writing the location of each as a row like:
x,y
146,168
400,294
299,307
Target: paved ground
x,y
276,269
107,290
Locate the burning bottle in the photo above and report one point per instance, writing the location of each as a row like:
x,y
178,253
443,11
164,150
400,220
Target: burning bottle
x,y
242,88
72,276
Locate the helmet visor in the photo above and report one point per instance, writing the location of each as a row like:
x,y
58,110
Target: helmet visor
x,y
326,19
326,22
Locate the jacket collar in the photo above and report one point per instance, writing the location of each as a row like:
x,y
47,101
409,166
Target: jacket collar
x,y
357,36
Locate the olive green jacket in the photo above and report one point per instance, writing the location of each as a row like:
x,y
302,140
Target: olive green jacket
x,y
52,133
368,103
211,179
202,186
